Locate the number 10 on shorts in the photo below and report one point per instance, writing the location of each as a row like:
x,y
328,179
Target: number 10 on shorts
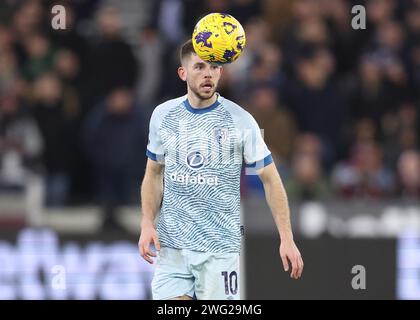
x,y
231,282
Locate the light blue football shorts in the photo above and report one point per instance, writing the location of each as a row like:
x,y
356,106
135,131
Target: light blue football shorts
x,y
205,276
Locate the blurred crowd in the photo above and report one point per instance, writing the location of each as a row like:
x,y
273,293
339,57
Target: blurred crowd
x,y
340,108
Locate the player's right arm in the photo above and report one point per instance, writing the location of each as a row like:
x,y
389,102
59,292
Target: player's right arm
x,y
152,188
151,198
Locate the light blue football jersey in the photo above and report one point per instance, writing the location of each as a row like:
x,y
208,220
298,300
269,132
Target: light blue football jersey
x,y
203,151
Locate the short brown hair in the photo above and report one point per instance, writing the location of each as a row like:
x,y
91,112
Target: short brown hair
x,y
186,50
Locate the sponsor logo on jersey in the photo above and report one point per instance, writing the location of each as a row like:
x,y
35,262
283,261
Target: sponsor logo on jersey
x,y
195,160
194,179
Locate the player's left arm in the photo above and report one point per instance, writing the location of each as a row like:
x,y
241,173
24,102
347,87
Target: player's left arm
x,y
277,200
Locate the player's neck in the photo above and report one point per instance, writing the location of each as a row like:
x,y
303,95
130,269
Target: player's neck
x,y
198,103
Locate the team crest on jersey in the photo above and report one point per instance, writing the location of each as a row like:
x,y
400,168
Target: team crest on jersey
x,y
221,135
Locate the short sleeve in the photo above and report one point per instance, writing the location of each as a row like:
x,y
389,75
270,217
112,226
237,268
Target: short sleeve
x,y
154,145
256,154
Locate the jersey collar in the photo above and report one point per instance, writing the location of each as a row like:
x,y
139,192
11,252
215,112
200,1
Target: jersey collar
x,y
202,110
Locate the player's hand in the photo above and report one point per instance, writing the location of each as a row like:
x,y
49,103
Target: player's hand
x,y
289,252
148,236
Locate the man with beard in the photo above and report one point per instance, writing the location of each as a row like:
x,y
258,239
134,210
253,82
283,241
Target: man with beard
x,y
197,145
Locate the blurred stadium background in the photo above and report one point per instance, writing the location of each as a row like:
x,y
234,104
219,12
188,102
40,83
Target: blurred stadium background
x,y
340,113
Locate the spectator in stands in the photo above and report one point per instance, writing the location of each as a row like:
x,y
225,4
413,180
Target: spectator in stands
x,y
345,42
380,11
383,79
67,68
307,181
409,175
279,130
149,55
413,47
20,143
244,10
400,131
9,72
111,62
364,175
308,144
266,69
115,139
70,39
29,17
40,56
276,121
316,102
55,112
